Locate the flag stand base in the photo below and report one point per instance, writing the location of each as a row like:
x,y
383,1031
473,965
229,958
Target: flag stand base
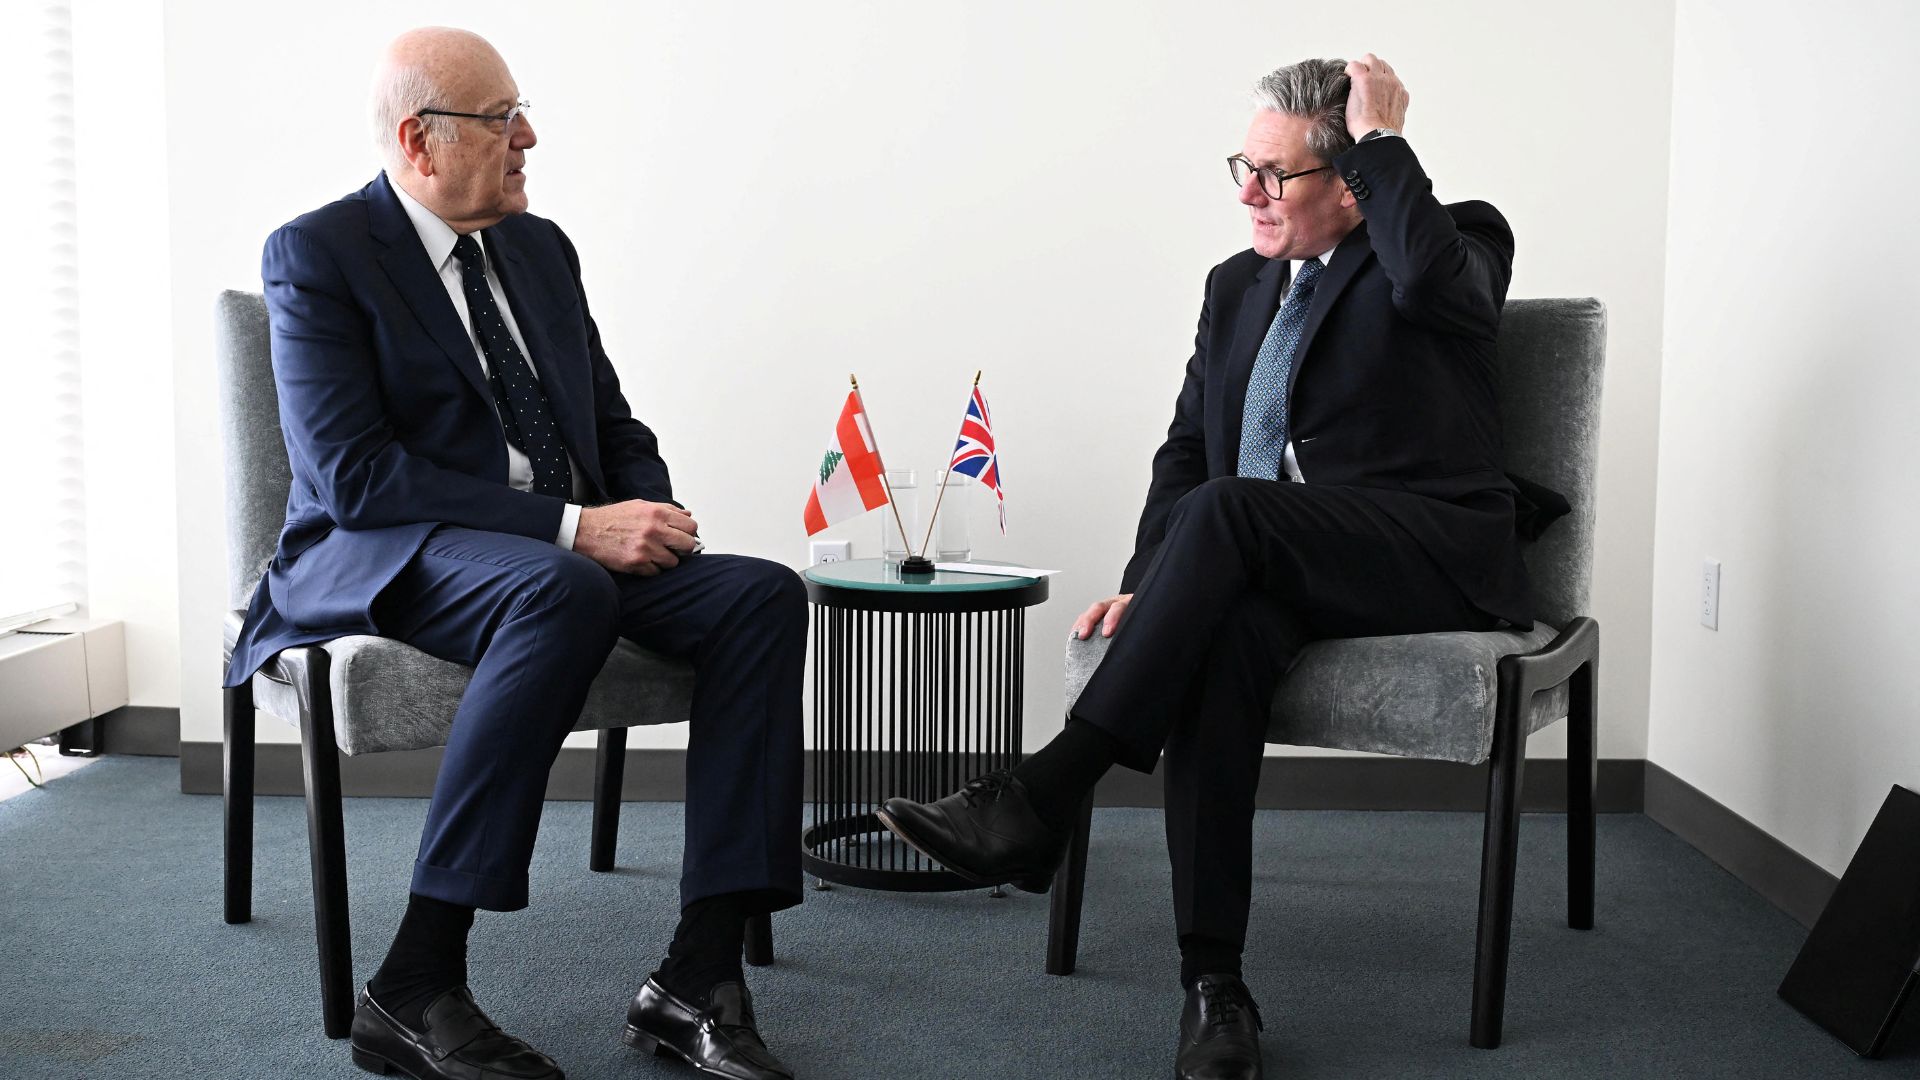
x,y
916,564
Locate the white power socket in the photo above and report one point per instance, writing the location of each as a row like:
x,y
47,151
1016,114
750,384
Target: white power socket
x,y
1710,594
826,551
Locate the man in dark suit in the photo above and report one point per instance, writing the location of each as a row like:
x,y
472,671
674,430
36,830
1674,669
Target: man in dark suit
x,y
469,478
1333,470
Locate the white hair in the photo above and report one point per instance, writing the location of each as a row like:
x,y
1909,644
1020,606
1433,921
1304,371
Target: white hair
x,y
400,91
1315,91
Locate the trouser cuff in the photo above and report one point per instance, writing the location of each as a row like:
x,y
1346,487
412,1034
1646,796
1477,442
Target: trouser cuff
x,y
470,889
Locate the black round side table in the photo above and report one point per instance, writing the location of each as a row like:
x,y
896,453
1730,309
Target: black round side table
x,y
917,687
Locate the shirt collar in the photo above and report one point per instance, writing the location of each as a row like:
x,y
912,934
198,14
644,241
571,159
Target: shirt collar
x,y
436,235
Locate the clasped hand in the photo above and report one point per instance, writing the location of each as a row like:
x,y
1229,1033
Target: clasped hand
x,y
636,537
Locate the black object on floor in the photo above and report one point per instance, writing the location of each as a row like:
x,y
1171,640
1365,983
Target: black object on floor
x,y
1862,960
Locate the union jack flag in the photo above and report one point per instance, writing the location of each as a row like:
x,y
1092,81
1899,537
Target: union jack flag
x,y
974,454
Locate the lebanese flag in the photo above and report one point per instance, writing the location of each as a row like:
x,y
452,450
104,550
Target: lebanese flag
x,y
848,483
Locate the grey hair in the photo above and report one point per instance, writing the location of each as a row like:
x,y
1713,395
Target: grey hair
x,y
1314,90
400,91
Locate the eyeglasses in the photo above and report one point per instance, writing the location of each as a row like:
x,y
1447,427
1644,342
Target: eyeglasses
x,y
506,119
1272,180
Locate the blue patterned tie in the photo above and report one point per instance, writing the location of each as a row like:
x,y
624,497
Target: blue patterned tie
x,y
518,396
1263,427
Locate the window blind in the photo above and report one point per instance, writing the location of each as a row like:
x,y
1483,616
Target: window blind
x,y
42,500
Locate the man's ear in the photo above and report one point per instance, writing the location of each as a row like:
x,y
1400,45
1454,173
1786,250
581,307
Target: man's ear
x,y
414,145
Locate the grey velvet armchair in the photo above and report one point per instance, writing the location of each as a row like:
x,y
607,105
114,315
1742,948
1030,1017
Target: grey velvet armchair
x,y
1465,697
362,695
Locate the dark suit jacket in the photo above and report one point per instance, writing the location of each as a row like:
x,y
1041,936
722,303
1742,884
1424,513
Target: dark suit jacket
x,y
1393,383
389,423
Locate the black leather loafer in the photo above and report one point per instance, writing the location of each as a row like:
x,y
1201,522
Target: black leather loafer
x,y
986,832
458,1042
719,1040
1219,1032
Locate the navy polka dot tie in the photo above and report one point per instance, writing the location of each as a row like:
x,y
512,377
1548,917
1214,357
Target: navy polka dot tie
x,y
524,413
1263,426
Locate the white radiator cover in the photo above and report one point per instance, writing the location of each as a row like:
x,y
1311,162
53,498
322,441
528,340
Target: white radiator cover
x,y
57,673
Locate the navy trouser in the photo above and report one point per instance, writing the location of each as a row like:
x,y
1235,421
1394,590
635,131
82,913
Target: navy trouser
x,y
536,623
1250,572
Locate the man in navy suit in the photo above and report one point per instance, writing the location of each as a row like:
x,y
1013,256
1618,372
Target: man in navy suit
x,y
1333,470
468,478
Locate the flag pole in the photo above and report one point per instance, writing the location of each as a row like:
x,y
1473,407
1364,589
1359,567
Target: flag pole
x,y
904,542
948,471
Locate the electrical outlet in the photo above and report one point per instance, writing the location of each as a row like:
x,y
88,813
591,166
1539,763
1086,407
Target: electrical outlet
x,y
1710,594
826,551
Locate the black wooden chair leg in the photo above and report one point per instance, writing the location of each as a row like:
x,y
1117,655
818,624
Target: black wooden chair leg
x,y
759,950
236,793
1498,854
1583,764
1069,888
609,768
327,846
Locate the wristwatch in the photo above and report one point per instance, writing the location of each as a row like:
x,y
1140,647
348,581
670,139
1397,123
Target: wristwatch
x,y
1378,133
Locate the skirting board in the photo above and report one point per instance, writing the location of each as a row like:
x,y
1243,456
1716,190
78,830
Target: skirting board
x,y
1287,783
1787,879
141,729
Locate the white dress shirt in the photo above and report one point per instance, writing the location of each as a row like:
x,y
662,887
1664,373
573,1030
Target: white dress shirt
x,y
1288,462
438,238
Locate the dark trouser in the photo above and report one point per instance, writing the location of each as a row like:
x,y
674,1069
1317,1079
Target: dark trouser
x,y
536,624
1249,572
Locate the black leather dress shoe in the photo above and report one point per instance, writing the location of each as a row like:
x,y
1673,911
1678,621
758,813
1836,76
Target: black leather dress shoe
x,y
986,832
458,1042
1219,1032
719,1040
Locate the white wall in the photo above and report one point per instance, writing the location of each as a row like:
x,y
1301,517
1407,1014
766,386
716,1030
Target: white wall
x,y
1788,409
769,196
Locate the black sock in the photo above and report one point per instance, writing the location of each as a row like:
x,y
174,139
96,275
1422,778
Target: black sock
x,y
1059,775
428,958
707,943
1206,956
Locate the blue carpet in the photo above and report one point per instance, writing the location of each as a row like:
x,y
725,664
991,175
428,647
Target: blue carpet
x,y
114,961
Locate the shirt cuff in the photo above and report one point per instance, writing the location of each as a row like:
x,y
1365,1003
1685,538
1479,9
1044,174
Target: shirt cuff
x,y
569,524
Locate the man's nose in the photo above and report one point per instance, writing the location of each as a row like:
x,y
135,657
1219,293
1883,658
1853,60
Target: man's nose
x,y
1251,193
523,136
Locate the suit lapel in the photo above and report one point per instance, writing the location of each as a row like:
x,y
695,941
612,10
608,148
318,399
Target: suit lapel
x,y
1257,308
530,294
1348,259
418,281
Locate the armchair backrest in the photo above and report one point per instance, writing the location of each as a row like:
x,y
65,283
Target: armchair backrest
x,y
258,476
1552,354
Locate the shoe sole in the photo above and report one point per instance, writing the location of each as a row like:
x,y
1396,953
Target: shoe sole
x,y
647,1044
374,1063
1033,883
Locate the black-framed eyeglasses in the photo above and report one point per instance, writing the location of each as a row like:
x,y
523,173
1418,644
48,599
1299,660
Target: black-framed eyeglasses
x,y
506,119
1272,180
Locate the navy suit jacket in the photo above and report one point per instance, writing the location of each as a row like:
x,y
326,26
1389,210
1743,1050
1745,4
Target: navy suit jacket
x,y
1393,382
389,423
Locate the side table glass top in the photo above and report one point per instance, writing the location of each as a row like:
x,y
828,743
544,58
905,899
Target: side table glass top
x,y
879,575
